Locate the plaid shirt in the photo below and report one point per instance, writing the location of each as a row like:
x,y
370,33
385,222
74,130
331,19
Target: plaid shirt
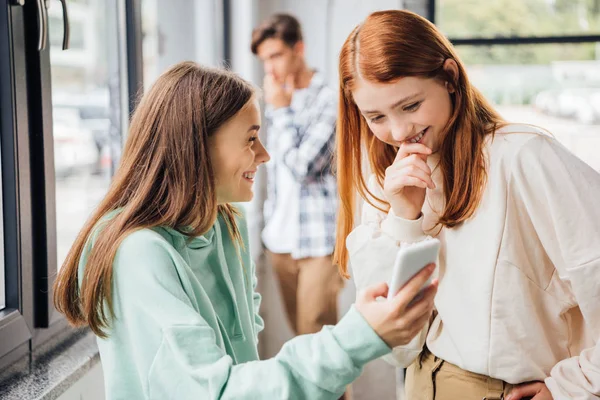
x,y
303,135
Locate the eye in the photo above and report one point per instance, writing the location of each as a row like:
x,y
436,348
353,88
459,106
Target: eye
x,y
377,119
413,107
253,139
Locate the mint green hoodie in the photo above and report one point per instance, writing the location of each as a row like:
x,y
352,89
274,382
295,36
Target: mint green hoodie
x,y
186,326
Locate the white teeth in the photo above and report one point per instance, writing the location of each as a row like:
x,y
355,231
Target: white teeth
x,y
249,175
418,137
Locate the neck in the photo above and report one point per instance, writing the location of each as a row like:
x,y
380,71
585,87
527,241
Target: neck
x,y
303,77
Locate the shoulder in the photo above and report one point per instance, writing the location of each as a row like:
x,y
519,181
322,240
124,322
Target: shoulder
x,y
148,271
515,136
143,251
539,160
515,144
144,239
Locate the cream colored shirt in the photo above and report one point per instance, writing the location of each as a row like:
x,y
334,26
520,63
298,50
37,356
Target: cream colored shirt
x,y
519,293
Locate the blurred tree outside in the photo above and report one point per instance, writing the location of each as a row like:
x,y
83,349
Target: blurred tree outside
x,y
506,18
515,74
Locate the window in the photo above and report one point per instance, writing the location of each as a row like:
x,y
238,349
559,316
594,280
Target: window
x,y
60,128
153,41
16,272
554,86
543,72
86,114
494,18
79,35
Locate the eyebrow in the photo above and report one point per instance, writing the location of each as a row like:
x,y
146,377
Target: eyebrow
x,y
254,128
396,104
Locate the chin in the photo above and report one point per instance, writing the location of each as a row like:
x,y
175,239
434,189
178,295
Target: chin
x,y
244,198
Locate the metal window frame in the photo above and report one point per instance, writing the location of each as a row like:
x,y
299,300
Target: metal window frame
x,y
135,74
521,40
17,319
43,186
431,4
28,178
227,37
47,321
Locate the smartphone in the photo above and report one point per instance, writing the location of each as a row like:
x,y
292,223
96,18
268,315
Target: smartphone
x,y
409,261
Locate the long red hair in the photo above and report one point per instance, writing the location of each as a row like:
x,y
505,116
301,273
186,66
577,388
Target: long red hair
x,y
387,46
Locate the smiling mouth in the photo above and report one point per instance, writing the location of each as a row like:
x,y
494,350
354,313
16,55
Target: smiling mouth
x,y
418,137
249,176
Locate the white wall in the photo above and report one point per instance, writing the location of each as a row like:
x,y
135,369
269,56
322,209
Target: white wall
x,y
188,31
176,38
180,30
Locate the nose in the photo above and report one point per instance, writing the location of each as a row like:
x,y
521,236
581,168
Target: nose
x,y
401,130
261,155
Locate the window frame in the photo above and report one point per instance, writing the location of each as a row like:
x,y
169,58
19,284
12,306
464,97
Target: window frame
x,y
433,6
135,63
17,319
28,176
48,322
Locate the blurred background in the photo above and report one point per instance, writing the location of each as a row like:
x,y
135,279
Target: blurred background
x,y
64,117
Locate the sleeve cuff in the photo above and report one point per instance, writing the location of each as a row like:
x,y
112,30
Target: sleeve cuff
x,y
358,339
403,230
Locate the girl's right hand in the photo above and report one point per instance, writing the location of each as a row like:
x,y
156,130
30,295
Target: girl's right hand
x,y
407,179
397,321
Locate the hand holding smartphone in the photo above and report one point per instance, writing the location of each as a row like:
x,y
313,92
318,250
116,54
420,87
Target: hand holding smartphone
x,y
410,260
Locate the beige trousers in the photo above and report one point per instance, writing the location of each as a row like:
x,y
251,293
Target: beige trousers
x,y
430,378
310,288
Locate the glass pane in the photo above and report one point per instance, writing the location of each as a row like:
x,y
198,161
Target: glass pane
x,y
152,39
553,86
86,112
476,18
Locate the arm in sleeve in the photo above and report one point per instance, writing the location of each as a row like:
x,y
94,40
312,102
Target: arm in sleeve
x,y
189,362
306,150
560,194
372,249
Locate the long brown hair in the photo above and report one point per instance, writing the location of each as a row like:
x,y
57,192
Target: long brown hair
x,y
165,179
387,46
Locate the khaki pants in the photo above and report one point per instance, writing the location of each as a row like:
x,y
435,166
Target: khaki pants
x,y
430,378
310,288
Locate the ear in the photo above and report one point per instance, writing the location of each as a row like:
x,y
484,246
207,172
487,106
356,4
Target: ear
x,y
451,68
299,48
